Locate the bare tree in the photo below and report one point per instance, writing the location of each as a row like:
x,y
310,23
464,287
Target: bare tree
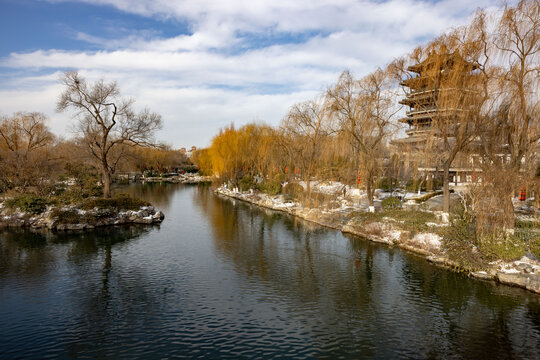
x,y
510,137
25,142
365,110
106,121
305,128
518,40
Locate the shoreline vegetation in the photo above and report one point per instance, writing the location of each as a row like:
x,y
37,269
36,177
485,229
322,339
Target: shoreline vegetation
x,y
416,229
36,213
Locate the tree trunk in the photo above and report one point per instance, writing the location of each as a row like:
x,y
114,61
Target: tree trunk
x,y
446,189
308,190
106,180
369,189
509,214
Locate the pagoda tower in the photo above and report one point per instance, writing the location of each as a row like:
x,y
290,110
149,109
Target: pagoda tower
x,y
432,95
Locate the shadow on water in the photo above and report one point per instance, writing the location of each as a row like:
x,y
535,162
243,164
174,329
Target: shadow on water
x,y
88,299
30,251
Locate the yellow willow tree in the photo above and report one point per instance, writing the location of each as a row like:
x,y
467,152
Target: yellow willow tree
x,y
106,122
305,129
247,151
365,111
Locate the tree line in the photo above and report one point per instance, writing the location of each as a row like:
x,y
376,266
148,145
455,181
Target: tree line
x,y
109,137
485,77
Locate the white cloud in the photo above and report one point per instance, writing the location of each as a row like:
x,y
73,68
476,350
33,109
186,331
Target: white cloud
x,y
219,73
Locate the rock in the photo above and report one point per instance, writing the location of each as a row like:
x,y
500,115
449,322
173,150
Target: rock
x,y
75,226
528,281
158,216
144,220
526,268
482,275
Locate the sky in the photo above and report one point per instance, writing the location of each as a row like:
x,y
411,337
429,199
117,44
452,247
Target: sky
x,y
204,64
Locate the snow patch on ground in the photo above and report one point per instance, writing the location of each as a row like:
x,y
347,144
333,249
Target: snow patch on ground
x,y
394,235
432,224
334,188
428,241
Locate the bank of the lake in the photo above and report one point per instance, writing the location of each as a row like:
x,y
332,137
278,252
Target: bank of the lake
x,y
34,213
523,273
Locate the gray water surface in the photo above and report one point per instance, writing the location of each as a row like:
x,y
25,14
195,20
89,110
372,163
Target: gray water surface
x,y
223,279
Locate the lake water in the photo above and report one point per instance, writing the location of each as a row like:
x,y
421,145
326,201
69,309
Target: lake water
x,y
223,279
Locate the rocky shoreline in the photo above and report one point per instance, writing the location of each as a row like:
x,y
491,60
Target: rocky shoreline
x,y
86,219
523,273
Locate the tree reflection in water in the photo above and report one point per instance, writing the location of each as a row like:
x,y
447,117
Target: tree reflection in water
x,y
368,287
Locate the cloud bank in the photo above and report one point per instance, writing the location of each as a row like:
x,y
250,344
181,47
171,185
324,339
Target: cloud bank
x,y
238,60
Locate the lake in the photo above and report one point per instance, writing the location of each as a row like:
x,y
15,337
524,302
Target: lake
x,y
221,278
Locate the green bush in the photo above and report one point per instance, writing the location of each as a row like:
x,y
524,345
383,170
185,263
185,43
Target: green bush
x,y
28,203
246,183
70,216
118,202
391,203
273,186
86,182
293,191
387,183
75,194
459,242
534,247
506,248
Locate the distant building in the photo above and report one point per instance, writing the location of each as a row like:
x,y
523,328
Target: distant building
x,y
190,152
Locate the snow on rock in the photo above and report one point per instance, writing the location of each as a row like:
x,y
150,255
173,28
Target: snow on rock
x,y
509,269
427,241
394,235
413,195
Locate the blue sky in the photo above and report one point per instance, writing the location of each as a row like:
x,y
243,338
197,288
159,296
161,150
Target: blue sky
x,y
203,64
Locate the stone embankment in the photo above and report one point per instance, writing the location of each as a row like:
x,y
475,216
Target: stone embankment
x,y
55,219
180,179
524,273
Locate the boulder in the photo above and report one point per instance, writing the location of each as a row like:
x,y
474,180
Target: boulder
x,y
528,281
158,216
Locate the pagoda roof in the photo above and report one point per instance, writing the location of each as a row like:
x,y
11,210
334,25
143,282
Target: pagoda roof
x,y
446,60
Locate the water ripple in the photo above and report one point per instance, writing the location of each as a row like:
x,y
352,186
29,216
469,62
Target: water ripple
x,y
232,281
